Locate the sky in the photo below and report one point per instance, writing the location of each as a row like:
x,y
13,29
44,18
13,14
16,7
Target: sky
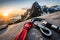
x,y
26,3
10,5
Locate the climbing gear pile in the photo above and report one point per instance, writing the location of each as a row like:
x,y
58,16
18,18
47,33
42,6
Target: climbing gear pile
x,y
44,25
40,23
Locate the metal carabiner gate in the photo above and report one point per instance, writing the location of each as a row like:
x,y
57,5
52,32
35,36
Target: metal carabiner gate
x,y
42,28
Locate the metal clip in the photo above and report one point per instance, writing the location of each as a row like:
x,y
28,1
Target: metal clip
x,y
43,27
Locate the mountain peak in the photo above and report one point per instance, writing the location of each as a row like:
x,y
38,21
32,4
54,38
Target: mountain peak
x,y
35,4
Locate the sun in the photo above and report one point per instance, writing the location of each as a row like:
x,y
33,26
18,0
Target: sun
x,y
5,14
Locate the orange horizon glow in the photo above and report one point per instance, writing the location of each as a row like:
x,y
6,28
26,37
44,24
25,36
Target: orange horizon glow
x,y
7,14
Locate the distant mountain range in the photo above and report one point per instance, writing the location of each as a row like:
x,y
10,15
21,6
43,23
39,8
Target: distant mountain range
x,y
37,10
34,11
54,8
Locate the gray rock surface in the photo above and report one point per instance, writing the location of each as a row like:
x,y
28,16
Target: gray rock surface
x,y
33,34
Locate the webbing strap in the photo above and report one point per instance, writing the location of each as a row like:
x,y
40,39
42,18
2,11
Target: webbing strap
x,y
22,35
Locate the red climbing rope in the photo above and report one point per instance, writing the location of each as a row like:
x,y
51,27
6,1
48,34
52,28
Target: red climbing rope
x,y
22,35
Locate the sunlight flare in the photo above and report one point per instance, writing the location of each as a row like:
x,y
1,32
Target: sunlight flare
x,y
5,14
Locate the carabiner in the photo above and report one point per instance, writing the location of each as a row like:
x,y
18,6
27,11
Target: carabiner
x,y
37,21
47,34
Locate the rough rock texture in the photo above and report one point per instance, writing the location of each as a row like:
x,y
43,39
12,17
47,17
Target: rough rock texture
x,y
33,34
